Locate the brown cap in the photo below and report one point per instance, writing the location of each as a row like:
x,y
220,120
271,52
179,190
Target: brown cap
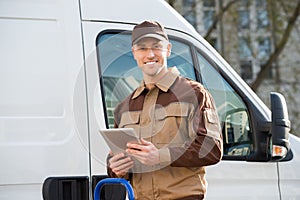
x,y
148,29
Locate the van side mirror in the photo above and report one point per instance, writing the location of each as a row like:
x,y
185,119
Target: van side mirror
x,y
280,126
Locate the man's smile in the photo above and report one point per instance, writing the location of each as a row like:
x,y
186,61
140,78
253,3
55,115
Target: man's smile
x,y
150,62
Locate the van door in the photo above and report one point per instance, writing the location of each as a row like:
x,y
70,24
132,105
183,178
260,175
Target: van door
x,y
41,60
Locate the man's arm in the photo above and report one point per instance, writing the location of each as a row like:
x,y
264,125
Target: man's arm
x,y
206,148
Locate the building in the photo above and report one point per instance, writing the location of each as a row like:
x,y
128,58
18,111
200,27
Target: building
x,y
246,35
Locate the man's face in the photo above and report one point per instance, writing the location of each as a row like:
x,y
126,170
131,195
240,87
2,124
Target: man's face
x,y
151,55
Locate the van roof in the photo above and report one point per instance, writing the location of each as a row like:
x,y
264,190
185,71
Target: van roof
x,y
134,12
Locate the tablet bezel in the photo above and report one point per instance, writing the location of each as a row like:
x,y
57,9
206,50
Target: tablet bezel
x,y
117,138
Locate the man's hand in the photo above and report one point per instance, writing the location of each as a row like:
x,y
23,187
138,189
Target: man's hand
x,y
145,152
120,164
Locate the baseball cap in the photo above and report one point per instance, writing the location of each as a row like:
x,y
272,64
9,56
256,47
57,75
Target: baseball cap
x,y
151,29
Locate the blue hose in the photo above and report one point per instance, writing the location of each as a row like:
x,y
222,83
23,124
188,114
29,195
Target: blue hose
x,y
113,181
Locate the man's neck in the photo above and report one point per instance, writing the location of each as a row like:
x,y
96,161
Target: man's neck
x,y
157,77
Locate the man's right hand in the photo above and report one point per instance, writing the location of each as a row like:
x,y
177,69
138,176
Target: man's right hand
x,y
120,164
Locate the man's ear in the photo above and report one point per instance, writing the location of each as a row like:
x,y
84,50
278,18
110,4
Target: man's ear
x,y
169,47
132,49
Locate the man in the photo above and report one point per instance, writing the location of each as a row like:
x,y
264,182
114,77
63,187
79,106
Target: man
x,y
176,119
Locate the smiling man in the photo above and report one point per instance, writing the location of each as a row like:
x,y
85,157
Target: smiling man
x,y
176,119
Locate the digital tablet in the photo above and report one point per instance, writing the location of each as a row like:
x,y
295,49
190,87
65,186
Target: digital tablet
x,y
117,138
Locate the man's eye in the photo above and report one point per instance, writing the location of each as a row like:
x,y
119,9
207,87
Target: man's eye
x,y
157,47
142,48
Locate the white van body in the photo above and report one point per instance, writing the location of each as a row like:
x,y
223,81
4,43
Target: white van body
x,y
51,105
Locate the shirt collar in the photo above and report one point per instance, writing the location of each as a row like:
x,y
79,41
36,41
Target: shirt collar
x,y
163,84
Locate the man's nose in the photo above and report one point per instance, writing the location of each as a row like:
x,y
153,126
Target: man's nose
x,y
150,52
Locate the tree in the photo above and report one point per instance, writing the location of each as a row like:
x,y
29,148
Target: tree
x,y
278,49
218,18
282,59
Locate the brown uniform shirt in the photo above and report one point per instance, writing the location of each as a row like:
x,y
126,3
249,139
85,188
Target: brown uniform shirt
x,y
179,117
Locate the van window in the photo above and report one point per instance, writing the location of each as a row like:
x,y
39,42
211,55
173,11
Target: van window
x,y
120,74
232,111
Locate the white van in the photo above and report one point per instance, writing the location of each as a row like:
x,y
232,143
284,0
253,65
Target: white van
x,y
66,64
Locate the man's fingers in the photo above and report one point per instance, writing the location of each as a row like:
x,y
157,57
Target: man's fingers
x,y
145,142
138,147
116,157
120,164
118,160
125,166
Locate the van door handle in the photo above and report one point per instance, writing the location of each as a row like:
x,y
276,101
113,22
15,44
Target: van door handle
x,y
66,188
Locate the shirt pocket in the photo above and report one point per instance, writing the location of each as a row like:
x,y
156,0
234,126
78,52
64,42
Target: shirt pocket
x,y
171,124
211,121
130,120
